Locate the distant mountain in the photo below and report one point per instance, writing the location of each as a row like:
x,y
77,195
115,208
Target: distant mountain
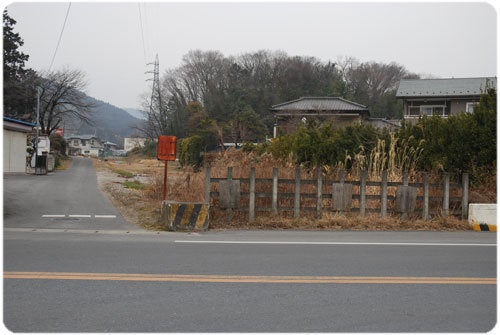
x,y
110,123
136,113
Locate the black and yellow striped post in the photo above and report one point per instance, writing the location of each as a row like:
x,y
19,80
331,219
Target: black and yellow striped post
x,y
185,216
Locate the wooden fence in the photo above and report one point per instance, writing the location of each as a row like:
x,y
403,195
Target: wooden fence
x,y
256,195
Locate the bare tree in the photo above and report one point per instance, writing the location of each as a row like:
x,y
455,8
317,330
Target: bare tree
x,y
62,97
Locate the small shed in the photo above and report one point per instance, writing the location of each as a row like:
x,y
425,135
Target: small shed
x,y
340,112
15,137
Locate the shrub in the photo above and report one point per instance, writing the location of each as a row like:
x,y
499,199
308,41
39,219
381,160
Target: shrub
x,y
189,151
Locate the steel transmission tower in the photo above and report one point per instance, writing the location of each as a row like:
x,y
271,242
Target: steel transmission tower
x,y
155,92
157,118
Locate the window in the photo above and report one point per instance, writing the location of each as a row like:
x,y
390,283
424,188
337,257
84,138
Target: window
x,y
430,110
75,143
469,107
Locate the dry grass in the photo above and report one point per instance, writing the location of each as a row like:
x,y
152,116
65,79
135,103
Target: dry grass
x,y
142,206
334,221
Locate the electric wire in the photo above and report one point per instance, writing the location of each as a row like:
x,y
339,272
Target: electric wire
x,y
142,33
60,37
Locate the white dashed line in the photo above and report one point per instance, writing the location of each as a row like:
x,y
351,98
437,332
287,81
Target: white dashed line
x,y
97,216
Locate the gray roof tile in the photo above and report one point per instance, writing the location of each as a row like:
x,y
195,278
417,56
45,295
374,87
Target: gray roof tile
x,y
444,87
320,104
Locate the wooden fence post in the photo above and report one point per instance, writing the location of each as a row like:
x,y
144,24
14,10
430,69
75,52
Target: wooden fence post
x,y
425,206
383,200
319,202
207,184
296,205
362,193
465,196
446,195
275,192
251,201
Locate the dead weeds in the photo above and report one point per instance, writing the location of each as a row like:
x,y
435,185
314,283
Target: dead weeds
x,y
142,206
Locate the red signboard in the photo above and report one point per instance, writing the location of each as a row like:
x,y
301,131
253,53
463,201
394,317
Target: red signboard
x,y
167,148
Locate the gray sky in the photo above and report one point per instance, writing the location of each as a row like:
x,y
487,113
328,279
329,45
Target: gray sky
x,y
442,39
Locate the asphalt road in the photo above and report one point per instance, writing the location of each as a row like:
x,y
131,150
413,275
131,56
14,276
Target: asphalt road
x,y
67,199
116,279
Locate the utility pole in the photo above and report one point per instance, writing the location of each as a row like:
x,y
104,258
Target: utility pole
x,y
37,123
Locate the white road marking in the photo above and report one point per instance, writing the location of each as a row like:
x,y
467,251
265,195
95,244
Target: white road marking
x,y
97,216
344,243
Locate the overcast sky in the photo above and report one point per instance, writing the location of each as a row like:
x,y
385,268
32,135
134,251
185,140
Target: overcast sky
x,y
105,40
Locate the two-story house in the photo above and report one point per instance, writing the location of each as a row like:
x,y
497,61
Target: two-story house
x,y
441,97
86,145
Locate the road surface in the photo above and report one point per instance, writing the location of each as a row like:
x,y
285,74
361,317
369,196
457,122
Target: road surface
x,y
101,274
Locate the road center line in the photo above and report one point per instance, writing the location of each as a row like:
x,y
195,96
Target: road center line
x,y
248,279
342,243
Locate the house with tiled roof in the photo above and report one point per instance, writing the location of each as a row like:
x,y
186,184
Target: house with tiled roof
x,y
441,97
340,112
85,145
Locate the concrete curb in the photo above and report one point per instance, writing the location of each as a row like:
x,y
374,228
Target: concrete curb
x,y
484,227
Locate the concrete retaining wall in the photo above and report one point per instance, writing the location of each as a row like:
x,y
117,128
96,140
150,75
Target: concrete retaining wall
x,y
483,217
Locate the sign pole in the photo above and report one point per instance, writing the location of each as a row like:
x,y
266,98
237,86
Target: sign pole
x,y
165,182
166,152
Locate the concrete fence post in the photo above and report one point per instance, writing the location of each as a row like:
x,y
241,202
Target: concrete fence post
x,y
425,205
405,178
465,196
362,193
383,195
251,202
319,202
207,184
296,205
275,192
446,194
229,209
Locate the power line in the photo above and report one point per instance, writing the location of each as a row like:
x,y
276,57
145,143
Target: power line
x,y
60,36
142,32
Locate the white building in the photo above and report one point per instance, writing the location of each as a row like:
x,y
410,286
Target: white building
x,y
15,136
86,145
130,143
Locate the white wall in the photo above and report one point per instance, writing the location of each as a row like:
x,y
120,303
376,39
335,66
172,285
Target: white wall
x,y
14,151
483,213
130,143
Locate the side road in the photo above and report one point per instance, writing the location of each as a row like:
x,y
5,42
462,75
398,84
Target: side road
x,y
68,199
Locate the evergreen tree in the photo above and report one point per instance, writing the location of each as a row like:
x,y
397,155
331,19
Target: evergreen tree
x,y
19,92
